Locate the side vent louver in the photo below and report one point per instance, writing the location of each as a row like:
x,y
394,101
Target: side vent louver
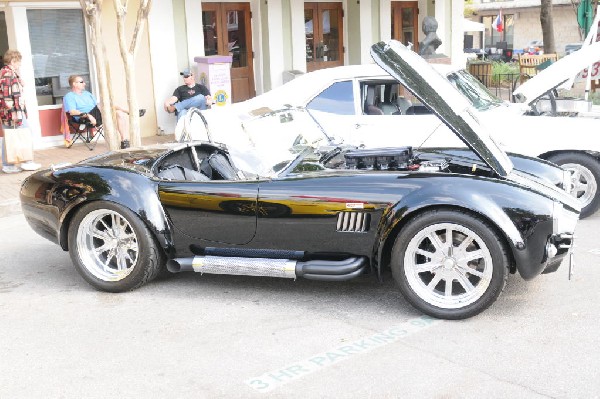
x,y
353,222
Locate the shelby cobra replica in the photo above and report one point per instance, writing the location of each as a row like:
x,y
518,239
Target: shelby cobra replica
x,y
450,230
364,105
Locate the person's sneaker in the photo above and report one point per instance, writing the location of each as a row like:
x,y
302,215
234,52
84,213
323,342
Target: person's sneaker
x,y
11,169
30,165
124,144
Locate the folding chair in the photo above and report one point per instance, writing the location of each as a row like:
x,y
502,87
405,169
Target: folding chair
x,y
80,130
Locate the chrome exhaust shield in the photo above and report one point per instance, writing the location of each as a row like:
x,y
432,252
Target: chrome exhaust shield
x,y
264,267
318,269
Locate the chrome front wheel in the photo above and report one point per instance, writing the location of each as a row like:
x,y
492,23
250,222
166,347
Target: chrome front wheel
x,y
583,184
449,264
585,176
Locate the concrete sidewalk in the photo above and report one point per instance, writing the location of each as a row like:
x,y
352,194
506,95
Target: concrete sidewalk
x,y
10,184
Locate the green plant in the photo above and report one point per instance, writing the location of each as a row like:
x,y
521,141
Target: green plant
x,y
502,72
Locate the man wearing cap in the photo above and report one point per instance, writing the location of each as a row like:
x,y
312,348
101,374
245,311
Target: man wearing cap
x,y
188,95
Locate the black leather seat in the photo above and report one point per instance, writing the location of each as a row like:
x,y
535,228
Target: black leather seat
x,y
370,103
388,105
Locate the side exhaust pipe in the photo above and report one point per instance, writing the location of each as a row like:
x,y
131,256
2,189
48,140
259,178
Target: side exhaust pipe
x,y
325,270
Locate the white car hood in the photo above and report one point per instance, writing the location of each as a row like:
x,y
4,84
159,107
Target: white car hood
x,y
563,71
438,94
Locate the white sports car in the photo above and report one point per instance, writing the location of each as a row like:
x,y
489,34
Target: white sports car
x,y
364,105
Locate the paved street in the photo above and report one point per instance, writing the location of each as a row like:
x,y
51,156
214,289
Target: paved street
x,y
208,336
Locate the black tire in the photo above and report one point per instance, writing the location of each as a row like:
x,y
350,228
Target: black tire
x,y
586,171
119,240
487,273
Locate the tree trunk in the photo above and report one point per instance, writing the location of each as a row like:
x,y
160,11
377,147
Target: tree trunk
x,y
547,26
128,56
92,11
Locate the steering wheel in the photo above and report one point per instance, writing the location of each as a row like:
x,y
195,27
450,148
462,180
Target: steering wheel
x,y
187,134
329,155
289,168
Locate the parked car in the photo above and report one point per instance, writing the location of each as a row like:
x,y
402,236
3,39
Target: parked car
x,y
364,105
449,231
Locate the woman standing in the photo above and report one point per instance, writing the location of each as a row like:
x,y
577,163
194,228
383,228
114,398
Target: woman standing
x,y
12,106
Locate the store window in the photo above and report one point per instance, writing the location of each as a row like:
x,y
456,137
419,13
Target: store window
x,y
58,48
496,39
323,28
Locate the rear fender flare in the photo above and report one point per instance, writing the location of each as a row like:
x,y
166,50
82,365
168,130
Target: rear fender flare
x,y
136,193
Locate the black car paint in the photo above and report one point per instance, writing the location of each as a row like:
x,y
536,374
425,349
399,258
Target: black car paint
x,y
50,198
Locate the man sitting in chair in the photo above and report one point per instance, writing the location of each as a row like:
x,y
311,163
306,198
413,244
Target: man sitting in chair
x,y
82,105
189,95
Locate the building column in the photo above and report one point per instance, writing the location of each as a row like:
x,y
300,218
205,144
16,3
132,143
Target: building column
x,y
298,35
457,34
195,31
275,32
366,32
18,39
385,20
163,59
443,17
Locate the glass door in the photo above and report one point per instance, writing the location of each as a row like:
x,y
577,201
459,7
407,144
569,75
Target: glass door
x,y
323,26
405,23
227,31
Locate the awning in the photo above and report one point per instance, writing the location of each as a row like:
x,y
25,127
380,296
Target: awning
x,y
472,26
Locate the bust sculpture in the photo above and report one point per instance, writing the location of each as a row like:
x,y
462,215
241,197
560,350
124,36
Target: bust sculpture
x,y
431,42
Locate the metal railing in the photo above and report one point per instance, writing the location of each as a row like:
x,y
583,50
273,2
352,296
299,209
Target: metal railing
x,y
502,85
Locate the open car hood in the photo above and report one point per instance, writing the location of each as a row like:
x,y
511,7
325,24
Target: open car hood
x,y
438,94
562,71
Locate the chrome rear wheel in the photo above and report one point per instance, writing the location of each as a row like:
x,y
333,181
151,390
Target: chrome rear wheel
x,y
108,245
112,248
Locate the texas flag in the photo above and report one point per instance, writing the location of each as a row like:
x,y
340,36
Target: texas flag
x,y
498,23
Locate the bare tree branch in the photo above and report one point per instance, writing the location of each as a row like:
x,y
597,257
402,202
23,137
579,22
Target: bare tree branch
x,y
142,17
92,12
128,56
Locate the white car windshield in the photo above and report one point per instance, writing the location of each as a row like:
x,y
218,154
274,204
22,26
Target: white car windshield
x,y
477,94
272,141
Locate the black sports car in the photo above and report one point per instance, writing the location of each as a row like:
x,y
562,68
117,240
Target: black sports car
x,y
450,228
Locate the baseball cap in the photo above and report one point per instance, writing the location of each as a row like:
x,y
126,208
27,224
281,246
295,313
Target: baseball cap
x,y
186,72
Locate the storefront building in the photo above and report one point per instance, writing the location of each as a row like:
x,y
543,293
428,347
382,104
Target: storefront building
x,y
266,40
